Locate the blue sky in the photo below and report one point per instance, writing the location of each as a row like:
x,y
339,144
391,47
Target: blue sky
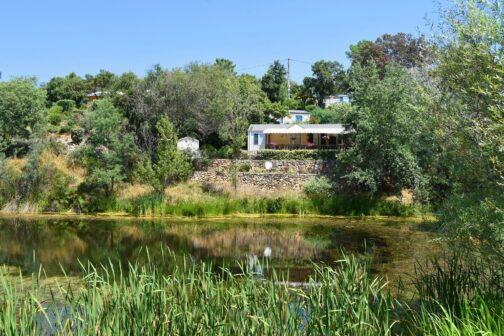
x,y
54,37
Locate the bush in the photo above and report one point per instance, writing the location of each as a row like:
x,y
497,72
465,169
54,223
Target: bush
x,y
64,129
55,115
299,154
67,105
38,182
244,167
476,215
77,134
318,186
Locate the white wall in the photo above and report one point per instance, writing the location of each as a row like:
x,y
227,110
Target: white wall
x,y
291,119
261,138
339,99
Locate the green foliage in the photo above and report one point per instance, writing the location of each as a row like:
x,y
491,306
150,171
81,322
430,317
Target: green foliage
x,y
21,113
113,300
71,87
170,165
198,100
102,82
477,215
471,64
244,167
318,187
274,82
66,105
297,154
389,123
402,49
242,103
38,185
226,64
333,115
109,152
328,79
77,135
218,205
274,111
55,114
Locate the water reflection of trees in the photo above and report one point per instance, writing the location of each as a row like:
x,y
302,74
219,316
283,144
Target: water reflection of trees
x,y
65,242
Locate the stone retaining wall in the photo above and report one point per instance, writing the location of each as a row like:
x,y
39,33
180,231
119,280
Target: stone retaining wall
x,y
272,181
284,175
255,182
278,166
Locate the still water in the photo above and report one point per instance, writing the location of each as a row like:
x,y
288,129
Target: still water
x,y
292,244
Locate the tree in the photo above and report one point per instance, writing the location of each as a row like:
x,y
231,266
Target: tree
x,y
404,49
169,165
401,48
365,51
70,87
226,64
244,103
102,82
123,89
328,79
470,66
388,121
274,82
22,109
109,152
187,97
333,115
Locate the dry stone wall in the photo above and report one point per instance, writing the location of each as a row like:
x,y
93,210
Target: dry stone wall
x,y
254,175
277,166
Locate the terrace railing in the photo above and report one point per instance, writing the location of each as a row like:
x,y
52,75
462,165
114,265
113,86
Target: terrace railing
x,y
315,147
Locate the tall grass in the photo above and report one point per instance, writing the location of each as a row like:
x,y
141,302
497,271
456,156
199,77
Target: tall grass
x,y
216,205
198,299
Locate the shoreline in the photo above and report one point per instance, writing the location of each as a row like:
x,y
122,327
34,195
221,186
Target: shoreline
x,y
127,216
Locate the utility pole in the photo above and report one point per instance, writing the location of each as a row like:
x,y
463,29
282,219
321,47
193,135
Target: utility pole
x,y
288,78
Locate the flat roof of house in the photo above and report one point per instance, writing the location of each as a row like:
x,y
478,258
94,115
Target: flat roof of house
x,y
300,128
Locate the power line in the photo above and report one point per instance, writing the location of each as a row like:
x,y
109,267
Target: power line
x,y
253,67
266,64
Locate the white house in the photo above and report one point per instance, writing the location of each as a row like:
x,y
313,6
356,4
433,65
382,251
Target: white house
x,y
337,99
190,145
297,136
295,116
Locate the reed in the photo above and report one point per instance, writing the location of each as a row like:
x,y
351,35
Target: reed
x,y
195,299
217,205
198,299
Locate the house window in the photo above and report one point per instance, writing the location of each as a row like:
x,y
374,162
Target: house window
x,y
256,139
310,138
341,99
299,118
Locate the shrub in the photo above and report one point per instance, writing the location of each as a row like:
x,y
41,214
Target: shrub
x,y
476,215
77,134
244,167
318,186
64,129
55,115
67,105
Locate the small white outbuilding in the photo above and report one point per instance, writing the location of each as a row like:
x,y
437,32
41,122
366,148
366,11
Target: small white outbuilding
x,y
190,145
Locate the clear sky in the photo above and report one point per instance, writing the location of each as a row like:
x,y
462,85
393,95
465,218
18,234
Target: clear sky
x,y
47,38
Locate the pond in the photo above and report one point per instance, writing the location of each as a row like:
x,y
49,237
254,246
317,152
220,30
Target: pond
x,y
291,244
